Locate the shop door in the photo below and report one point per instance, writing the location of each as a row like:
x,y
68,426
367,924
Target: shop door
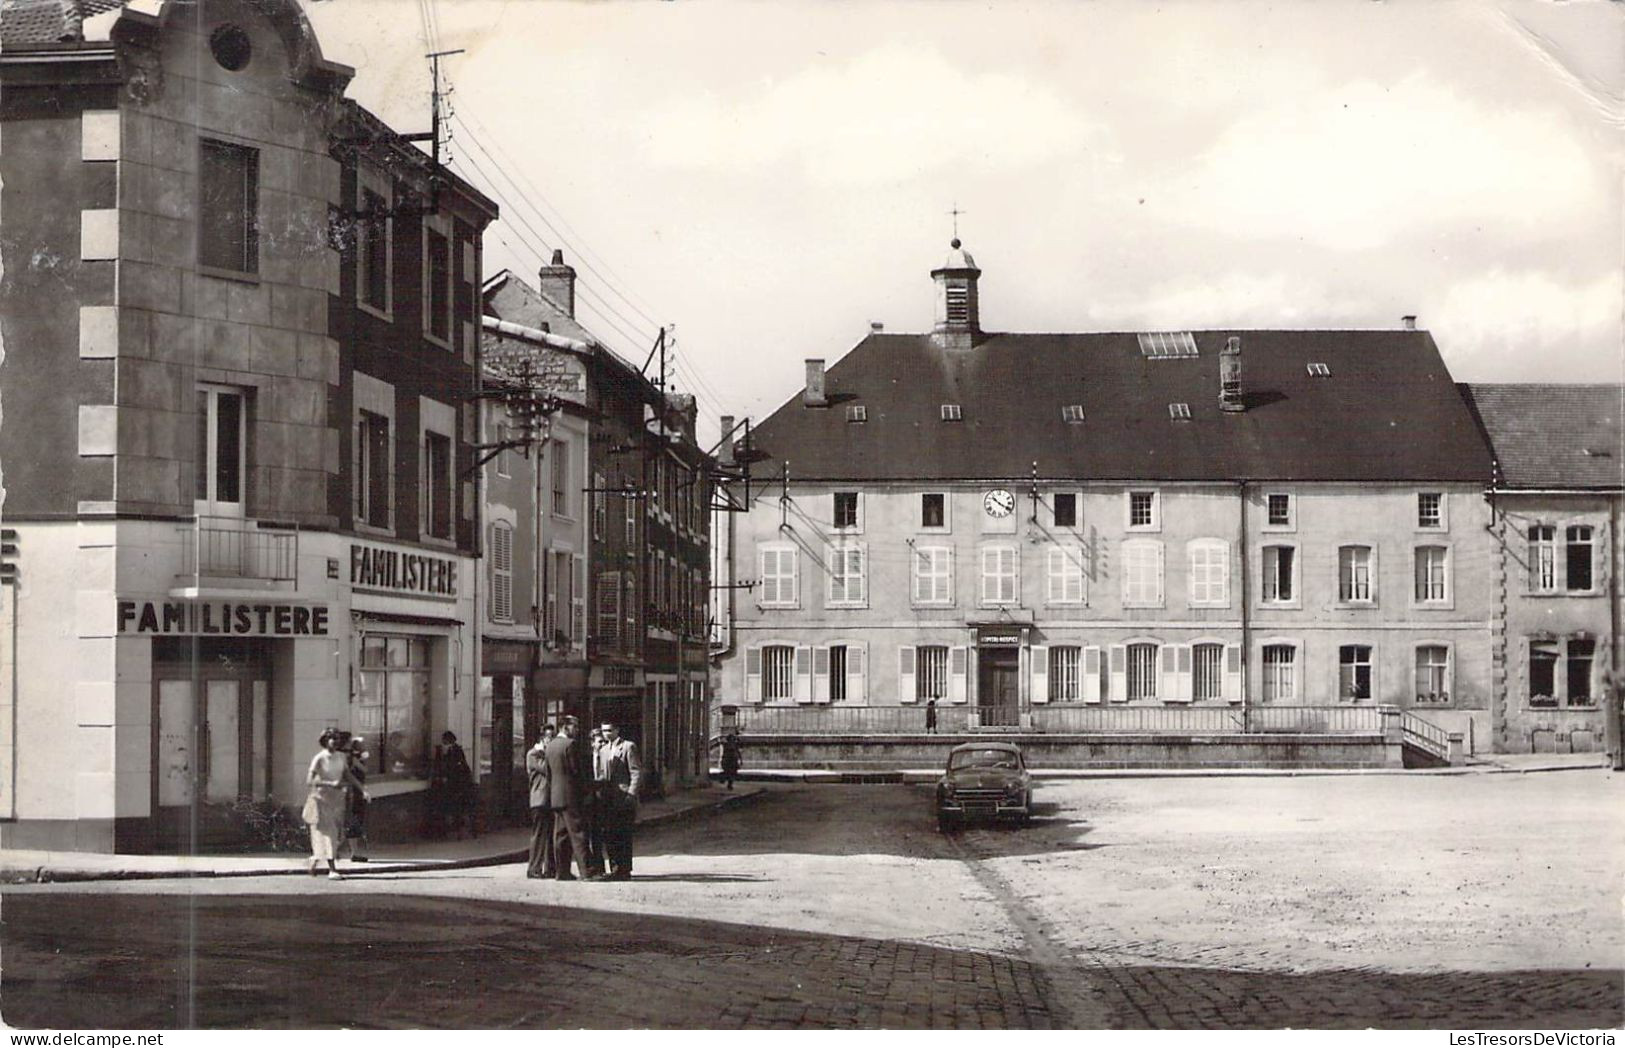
x,y
212,752
997,697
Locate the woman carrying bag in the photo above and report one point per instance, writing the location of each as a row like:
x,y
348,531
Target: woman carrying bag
x,y
329,774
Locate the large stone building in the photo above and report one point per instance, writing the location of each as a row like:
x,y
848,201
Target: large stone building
x,y
239,335
1025,528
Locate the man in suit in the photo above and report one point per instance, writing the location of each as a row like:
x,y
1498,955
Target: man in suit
x,y
623,774
541,815
569,774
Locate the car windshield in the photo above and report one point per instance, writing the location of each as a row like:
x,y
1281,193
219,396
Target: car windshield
x,y
983,759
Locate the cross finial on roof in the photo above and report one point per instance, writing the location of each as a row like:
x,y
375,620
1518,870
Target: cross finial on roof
x,y
956,213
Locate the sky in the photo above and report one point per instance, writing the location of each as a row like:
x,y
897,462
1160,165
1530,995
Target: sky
x,y
768,178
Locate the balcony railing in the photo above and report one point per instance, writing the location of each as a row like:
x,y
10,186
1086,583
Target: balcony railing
x,y
1052,719
232,548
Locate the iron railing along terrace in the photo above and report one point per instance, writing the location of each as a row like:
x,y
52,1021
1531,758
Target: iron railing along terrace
x,y
229,547
1063,719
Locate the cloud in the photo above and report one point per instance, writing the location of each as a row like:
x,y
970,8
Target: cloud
x,y
1363,165
1526,325
1235,300
893,113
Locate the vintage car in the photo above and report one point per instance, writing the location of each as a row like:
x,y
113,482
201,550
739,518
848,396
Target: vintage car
x,y
984,780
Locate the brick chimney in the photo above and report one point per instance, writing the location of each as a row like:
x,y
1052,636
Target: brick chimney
x,y
1230,376
557,283
1409,320
813,395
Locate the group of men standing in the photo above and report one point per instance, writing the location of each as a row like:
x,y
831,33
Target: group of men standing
x,y
583,803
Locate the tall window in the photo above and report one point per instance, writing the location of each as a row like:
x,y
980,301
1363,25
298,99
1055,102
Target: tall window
x,y
437,280
1577,550
1142,671
1542,673
372,251
931,672
1278,568
837,673
1432,674
778,574
1208,672
1431,574
502,572
1280,673
1065,575
998,575
933,510
561,476
1065,678
1354,574
846,576
1543,558
392,705
1209,573
1430,510
437,485
373,470
846,509
600,506
228,206
222,425
1142,509
1142,574
1354,672
630,505
778,672
1066,509
933,575
1580,656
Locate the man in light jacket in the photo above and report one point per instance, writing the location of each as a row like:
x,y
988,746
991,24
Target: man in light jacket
x,y
623,774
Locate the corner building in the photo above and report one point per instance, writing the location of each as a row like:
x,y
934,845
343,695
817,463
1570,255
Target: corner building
x,y
239,512
1020,524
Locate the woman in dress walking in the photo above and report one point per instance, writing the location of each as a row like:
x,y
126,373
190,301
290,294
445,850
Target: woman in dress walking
x,y
329,774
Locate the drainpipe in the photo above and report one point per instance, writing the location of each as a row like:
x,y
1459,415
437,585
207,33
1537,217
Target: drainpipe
x,y
1611,700
1246,633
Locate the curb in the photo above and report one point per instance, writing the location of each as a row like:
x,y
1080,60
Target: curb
x,y
915,775
46,875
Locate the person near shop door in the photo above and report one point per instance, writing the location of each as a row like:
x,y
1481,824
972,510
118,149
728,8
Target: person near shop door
x,y
569,773
355,822
623,774
458,797
541,815
326,780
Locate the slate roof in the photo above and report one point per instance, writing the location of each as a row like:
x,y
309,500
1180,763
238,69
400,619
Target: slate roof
x,y
1388,410
34,22
1554,436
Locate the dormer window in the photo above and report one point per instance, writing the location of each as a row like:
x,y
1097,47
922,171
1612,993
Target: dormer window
x,y
1180,412
857,413
951,413
1072,413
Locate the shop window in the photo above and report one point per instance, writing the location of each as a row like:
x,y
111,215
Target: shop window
x,y
392,709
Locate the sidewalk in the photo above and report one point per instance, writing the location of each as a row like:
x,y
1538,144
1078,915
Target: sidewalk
x,y
490,849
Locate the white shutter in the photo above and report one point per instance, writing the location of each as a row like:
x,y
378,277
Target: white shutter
x,y
1183,692
1040,674
1168,685
820,684
1091,674
905,674
1160,598
1232,673
1119,673
803,672
753,674
578,601
957,673
857,672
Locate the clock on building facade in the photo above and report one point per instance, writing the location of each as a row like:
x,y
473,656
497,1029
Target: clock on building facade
x,y
998,503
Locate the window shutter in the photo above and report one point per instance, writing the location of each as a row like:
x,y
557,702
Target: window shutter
x,y
753,674
857,672
1091,674
957,674
578,601
1168,686
1119,673
1182,684
1040,674
1232,673
609,608
820,684
803,671
1159,597
905,674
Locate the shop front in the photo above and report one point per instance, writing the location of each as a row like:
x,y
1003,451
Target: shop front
x,y
509,724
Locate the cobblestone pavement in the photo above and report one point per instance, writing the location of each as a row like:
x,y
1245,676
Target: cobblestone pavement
x,y
841,907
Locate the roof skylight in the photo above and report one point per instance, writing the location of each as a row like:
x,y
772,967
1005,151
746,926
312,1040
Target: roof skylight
x,y
1072,413
1180,412
1163,345
951,413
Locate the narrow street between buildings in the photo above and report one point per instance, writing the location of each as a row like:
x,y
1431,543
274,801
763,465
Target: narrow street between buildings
x,y
1380,901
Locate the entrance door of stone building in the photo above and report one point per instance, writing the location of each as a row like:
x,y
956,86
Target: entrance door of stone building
x,y
211,750
997,696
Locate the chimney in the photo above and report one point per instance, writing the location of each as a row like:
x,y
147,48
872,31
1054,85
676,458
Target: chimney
x,y
958,324
1230,376
1409,320
557,283
876,327
813,395
725,450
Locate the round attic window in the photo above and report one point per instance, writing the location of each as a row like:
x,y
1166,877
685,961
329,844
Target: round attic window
x,y
230,47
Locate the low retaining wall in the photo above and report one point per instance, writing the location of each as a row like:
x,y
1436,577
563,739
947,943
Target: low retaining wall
x,y
891,752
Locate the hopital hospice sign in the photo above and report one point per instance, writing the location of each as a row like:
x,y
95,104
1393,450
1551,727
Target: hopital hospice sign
x,y
404,573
